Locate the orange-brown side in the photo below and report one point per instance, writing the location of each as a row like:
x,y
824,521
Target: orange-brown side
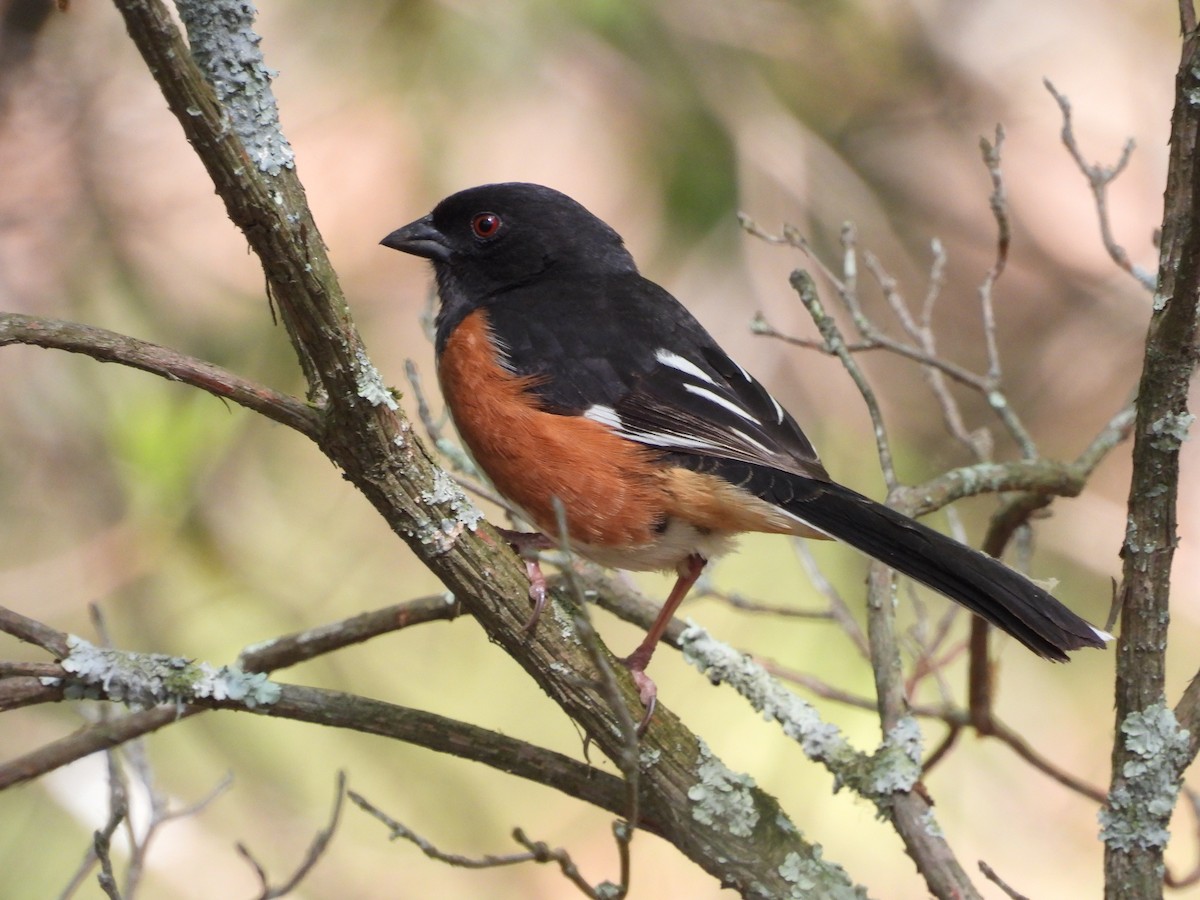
x,y
617,493
713,504
608,485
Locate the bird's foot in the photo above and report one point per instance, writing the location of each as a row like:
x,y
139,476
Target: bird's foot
x,y
646,688
527,544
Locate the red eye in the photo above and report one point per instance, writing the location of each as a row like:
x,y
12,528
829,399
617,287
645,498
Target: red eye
x,y
485,225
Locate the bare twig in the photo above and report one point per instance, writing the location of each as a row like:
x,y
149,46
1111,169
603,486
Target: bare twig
x,y
922,333
1022,748
994,395
1172,880
291,649
433,427
838,607
32,631
402,832
32,669
316,850
910,812
535,852
803,284
1099,177
108,346
745,604
818,687
990,874
460,461
334,709
16,692
875,341
543,853
102,840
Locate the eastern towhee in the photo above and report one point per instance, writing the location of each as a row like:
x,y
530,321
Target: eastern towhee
x,y
570,375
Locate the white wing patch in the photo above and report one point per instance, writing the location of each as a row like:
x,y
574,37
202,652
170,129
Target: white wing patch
x,y
677,362
605,415
682,407
752,442
720,401
611,419
778,409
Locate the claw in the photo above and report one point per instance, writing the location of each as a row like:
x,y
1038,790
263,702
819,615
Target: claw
x,y
527,544
647,693
537,594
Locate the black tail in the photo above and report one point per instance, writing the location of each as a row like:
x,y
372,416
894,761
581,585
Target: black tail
x,y
988,588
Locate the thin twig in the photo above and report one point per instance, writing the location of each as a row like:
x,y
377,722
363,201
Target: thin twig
x,y
535,851
464,468
745,604
316,849
32,631
20,691
1099,178
875,340
291,649
803,284
109,346
10,669
1177,882
838,608
543,853
990,874
102,840
1023,749
998,203
402,832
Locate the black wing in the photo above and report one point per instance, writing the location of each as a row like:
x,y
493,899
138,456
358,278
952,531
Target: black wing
x,y
622,351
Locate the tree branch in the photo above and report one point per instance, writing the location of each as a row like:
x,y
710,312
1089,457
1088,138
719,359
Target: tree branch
x,y
1150,750
108,346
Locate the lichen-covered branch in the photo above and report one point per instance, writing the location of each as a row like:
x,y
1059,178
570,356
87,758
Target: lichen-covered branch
x,y
1146,761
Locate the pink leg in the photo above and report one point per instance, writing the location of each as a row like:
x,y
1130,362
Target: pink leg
x,y
689,570
527,544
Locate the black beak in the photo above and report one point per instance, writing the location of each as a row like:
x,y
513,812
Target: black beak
x,y
420,238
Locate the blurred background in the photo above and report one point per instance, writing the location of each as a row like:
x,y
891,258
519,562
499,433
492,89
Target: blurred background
x,y
199,528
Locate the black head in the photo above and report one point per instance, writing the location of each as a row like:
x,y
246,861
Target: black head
x,y
488,239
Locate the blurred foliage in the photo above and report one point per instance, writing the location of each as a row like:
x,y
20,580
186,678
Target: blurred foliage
x,y
200,529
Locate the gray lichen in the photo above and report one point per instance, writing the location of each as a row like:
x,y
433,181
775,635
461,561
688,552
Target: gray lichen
x,y
897,764
445,490
225,45
894,767
722,798
1171,430
1139,807
369,383
149,679
814,877
725,665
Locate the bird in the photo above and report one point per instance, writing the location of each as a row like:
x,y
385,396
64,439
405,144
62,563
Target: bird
x,y
571,378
